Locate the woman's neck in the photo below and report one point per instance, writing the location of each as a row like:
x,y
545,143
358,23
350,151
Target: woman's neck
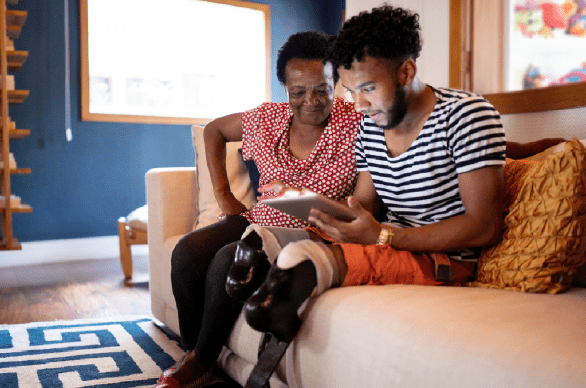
x,y
303,137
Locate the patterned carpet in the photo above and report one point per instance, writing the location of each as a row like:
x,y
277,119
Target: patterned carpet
x,y
106,353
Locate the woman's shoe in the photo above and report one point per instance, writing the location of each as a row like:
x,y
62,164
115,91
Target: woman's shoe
x,y
273,307
190,366
208,378
248,270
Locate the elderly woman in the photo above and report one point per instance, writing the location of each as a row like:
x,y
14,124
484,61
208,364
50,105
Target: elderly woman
x,y
305,143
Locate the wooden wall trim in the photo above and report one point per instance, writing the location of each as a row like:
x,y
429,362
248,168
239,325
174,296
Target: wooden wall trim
x,y
538,100
456,49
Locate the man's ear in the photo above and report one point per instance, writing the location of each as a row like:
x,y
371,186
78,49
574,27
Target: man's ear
x,y
407,72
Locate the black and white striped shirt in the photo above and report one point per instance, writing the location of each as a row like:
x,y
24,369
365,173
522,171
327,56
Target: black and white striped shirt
x,y
419,187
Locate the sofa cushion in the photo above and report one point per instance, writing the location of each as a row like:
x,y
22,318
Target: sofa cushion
x,y
543,241
421,336
138,219
253,173
237,175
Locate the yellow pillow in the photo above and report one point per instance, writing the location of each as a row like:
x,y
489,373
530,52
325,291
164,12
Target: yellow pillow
x,y
543,240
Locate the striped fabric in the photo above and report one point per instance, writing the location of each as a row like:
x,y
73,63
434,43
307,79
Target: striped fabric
x,y
420,187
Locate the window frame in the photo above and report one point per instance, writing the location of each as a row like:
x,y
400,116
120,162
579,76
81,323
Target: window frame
x,y
86,115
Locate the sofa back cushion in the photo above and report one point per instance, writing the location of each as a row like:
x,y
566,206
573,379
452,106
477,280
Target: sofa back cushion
x,y
543,242
238,176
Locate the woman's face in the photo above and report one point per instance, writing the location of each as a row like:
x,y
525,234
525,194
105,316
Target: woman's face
x,y
310,89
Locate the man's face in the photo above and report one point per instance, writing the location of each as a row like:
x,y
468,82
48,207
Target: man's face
x,y
374,86
310,88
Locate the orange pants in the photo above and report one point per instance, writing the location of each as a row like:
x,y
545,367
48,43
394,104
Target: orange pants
x,y
382,264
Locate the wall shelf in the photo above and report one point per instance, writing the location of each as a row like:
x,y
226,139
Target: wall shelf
x,y
20,171
19,133
14,22
17,97
19,209
11,61
15,60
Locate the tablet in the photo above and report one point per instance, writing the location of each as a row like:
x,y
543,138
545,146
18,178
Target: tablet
x,y
301,205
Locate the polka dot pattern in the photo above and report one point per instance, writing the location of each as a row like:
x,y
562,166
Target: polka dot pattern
x,y
330,169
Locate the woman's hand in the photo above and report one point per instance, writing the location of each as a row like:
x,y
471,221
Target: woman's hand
x,y
229,204
280,190
365,229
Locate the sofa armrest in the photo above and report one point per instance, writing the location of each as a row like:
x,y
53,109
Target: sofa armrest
x,y
172,202
172,210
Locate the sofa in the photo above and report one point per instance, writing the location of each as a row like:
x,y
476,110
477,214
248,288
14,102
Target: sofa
x,y
384,336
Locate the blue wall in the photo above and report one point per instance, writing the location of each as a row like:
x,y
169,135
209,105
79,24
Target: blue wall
x,y
80,188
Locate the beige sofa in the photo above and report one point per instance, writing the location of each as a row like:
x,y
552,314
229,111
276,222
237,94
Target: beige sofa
x,y
381,336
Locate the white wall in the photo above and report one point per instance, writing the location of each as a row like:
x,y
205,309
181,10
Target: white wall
x,y
433,64
525,127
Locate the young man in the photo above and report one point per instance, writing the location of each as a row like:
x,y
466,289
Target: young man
x,y
429,159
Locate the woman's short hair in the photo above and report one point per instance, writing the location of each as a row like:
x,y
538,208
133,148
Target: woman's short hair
x,y
303,45
385,32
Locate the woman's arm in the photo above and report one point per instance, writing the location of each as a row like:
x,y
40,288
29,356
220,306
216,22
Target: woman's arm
x,y
216,134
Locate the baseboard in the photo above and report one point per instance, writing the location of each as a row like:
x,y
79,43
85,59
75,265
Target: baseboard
x,y
52,251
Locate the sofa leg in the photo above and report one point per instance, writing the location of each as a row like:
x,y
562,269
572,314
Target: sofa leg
x,y
125,253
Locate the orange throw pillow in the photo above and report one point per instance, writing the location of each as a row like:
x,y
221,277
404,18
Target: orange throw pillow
x,y
543,241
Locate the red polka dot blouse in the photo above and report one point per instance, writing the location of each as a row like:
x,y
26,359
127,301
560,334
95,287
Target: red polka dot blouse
x,y
330,169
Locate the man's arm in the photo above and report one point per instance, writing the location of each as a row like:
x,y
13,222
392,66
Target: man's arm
x,y
482,193
365,193
482,196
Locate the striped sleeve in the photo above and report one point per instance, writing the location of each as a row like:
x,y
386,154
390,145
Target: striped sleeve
x,y
475,134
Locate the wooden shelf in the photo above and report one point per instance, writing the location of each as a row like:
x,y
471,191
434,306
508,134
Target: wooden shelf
x,y
21,209
19,133
15,18
15,59
13,32
14,247
13,21
19,171
17,97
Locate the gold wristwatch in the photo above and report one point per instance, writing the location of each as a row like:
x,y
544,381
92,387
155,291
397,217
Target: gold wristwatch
x,y
386,236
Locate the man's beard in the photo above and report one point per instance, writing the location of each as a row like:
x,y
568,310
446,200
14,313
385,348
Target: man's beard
x,y
398,111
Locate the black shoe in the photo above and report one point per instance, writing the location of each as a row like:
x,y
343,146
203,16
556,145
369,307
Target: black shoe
x,y
273,307
249,268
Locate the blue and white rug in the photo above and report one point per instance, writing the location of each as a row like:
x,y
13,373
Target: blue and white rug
x,y
106,353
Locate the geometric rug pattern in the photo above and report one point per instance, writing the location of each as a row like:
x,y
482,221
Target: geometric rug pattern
x,y
106,353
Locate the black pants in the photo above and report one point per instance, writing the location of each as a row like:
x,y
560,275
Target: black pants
x,y
199,267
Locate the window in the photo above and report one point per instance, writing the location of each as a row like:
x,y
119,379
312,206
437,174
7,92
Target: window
x,y
480,56
176,62
547,44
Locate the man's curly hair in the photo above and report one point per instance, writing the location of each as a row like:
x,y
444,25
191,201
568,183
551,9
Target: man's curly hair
x,y
385,32
303,45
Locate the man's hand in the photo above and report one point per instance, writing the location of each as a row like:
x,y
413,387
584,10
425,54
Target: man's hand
x,y
365,229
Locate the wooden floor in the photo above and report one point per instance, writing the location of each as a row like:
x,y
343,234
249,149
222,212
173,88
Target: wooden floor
x,y
87,288
78,289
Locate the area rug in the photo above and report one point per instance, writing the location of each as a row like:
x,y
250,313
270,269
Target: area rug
x,y
105,353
